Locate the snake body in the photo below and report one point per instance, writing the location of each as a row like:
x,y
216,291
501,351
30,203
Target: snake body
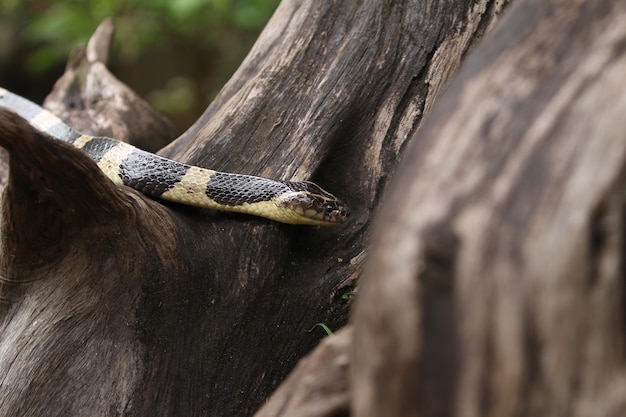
x,y
161,178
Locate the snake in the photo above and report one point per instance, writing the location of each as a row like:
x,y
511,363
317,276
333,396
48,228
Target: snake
x,y
160,178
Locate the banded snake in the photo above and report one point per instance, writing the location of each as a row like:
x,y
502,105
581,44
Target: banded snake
x,y
161,178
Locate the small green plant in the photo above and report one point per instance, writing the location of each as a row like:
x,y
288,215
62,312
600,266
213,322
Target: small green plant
x,y
347,295
323,326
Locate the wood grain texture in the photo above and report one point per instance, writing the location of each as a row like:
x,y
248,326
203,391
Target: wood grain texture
x,y
75,249
331,92
495,285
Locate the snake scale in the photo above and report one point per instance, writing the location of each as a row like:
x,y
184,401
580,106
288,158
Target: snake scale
x,y
161,178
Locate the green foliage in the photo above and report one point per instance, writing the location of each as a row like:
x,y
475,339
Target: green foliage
x,y
199,42
53,28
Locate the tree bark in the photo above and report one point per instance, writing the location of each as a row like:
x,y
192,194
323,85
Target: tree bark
x,y
125,306
318,386
495,285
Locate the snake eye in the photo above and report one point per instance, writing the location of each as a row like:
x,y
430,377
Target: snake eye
x,y
329,208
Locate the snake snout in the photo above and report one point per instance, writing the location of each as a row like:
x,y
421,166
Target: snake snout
x,y
317,209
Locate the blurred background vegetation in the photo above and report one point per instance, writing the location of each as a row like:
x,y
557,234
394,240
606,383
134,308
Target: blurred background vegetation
x,y
176,54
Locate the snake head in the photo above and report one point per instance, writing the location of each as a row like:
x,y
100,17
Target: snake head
x,y
312,205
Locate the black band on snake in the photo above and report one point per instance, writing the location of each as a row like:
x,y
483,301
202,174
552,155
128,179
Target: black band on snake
x,y
162,178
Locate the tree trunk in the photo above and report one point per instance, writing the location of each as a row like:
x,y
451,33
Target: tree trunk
x,y
493,283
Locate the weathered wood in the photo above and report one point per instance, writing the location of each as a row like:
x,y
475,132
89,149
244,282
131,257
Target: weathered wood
x,y
318,386
90,99
211,323
496,285
76,251
364,75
